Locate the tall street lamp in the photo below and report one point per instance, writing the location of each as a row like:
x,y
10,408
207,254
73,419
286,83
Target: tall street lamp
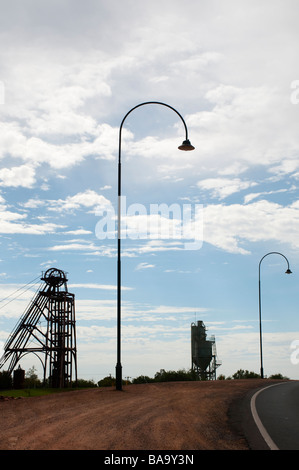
x,y
288,271
186,145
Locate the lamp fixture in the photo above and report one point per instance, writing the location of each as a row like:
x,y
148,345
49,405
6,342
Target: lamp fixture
x,y
186,145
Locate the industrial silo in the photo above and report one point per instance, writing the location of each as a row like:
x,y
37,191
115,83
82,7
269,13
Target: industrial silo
x,y
203,352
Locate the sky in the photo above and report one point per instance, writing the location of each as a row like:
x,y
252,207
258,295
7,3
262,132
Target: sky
x,y
195,224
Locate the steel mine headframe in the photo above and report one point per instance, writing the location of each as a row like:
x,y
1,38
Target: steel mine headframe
x,y
47,329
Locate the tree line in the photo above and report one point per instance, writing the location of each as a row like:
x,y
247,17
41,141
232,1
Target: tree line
x,y
32,380
184,375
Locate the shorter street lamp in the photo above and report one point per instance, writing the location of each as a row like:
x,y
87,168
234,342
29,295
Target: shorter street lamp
x,y
186,145
288,271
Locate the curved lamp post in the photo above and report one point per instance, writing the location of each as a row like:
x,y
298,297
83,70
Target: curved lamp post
x,y
288,271
186,145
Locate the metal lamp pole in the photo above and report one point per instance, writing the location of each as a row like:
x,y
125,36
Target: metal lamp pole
x,y
288,271
186,145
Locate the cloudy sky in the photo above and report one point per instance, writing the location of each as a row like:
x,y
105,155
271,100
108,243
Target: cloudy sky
x,y
69,72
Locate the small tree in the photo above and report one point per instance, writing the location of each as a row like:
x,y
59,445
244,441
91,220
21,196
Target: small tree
x,y
82,383
278,376
142,379
107,382
31,378
221,377
175,376
245,374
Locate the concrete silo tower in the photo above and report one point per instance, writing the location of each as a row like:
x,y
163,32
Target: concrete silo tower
x,y
203,352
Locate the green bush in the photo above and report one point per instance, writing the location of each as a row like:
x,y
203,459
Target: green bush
x,y
107,382
245,374
82,383
175,376
142,379
278,376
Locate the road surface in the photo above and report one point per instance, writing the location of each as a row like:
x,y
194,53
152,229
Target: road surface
x,y
275,410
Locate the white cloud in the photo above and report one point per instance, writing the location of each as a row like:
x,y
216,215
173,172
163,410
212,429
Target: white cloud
x,y
251,196
32,203
230,227
224,187
74,247
87,199
79,231
23,175
141,266
153,246
244,127
8,227
48,264
198,63
16,223
96,286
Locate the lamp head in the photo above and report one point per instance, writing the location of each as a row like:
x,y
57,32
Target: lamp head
x,y
288,271
186,145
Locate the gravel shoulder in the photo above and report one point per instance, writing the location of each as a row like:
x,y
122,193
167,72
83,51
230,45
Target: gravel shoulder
x,y
162,416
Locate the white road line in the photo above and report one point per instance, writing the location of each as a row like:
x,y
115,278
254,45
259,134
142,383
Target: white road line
x,y
258,422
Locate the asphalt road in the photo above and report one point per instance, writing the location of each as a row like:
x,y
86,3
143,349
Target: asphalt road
x,y
275,410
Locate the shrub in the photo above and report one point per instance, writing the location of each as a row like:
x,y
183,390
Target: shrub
x,y
81,383
278,376
245,374
107,382
142,379
175,376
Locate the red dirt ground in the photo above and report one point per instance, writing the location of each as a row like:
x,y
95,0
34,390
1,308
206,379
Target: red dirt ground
x,y
163,416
